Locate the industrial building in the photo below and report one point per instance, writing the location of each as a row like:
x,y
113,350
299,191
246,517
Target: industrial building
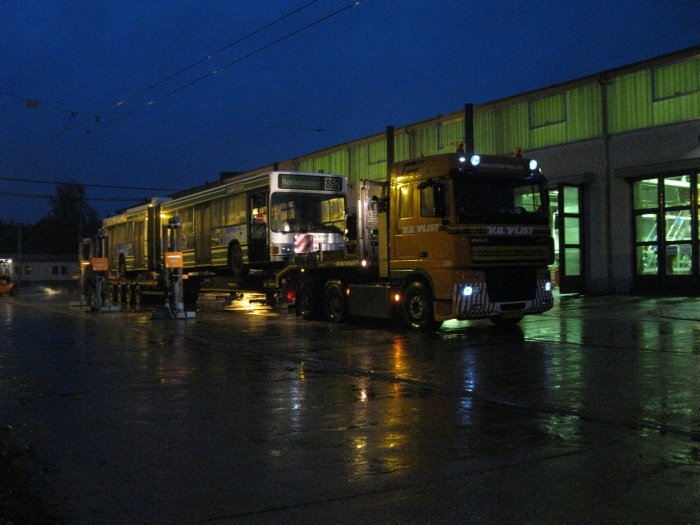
x,y
621,149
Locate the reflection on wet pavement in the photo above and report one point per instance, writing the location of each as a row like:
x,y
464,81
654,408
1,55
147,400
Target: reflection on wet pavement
x,y
247,413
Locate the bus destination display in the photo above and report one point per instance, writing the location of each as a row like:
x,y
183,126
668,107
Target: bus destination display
x,y
288,181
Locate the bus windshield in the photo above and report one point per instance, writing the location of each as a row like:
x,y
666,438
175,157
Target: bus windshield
x,y
307,212
500,200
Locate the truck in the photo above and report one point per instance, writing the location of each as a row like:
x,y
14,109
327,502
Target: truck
x,y
449,236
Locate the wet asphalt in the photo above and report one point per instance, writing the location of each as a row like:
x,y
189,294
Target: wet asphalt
x,y
589,413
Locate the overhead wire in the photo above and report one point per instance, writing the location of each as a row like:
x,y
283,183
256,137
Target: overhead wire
x,y
212,55
176,74
234,62
111,186
49,197
42,103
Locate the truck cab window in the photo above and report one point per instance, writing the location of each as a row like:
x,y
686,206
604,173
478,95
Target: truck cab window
x,y
405,202
433,200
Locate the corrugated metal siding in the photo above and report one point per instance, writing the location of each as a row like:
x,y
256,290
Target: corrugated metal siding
x,y
377,152
512,128
306,164
629,98
676,79
449,134
547,111
485,132
367,161
654,96
584,117
547,120
402,146
676,92
425,140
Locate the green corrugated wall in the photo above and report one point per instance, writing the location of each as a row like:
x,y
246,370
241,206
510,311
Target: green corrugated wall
x,y
637,100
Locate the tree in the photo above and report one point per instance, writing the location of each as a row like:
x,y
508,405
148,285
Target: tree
x,y
9,235
70,219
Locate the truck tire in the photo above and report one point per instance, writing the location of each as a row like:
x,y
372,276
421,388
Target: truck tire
x,y
307,302
418,308
335,304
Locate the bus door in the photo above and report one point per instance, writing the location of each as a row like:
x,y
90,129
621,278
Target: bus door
x,y
258,242
202,233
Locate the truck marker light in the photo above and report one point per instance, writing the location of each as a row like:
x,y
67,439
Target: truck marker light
x,y
397,298
364,263
467,291
475,160
547,286
533,165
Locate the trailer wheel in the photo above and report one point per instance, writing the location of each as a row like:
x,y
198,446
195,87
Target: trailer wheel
x,y
121,265
418,308
307,302
334,302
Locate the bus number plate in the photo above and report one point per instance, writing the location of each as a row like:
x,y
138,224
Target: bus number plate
x,y
333,183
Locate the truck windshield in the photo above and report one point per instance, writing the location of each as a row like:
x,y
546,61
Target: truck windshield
x,y
500,200
307,212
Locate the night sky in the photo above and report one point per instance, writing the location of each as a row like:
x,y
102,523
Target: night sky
x,y
121,93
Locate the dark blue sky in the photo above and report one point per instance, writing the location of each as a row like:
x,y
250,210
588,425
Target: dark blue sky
x,y
354,71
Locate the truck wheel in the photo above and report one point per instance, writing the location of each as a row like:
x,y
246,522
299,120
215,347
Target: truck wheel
x,y
307,303
418,308
235,260
334,302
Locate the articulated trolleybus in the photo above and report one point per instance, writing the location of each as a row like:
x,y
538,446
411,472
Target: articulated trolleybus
x,y
229,227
